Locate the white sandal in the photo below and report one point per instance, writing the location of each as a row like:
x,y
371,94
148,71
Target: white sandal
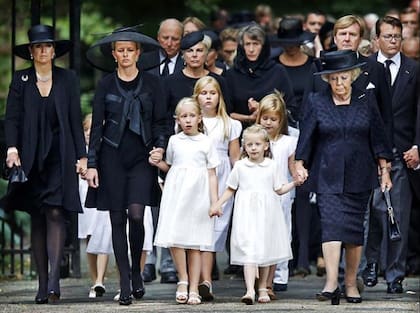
x,y
181,297
264,298
194,298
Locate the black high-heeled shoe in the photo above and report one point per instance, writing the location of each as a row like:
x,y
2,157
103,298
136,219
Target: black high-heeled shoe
x,y
138,293
353,299
335,297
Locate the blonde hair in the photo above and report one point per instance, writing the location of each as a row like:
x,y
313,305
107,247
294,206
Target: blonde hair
x,y
259,130
274,102
221,106
194,103
194,20
87,121
347,21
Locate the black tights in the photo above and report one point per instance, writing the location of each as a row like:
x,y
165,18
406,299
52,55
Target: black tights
x,y
48,234
119,241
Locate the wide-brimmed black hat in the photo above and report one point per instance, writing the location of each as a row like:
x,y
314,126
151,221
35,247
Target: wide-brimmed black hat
x,y
41,34
191,39
100,56
291,32
338,61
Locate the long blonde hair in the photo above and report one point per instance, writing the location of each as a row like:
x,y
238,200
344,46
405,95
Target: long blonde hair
x,y
194,103
221,107
274,102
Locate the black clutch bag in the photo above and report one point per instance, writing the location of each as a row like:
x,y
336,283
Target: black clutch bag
x,y
14,174
393,229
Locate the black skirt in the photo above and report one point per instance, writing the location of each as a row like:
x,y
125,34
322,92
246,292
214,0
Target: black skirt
x,y
342,216
125,176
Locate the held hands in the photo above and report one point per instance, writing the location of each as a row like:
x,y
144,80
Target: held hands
x,y
92,177
215,210
81,167
301,173
411,157
155,156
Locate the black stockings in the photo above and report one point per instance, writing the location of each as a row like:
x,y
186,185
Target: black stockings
x,y
48,234
119,241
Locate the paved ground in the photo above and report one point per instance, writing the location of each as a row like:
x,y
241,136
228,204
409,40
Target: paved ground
x,y
17,296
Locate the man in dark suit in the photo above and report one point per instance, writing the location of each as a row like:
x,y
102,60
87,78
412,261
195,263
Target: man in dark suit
x,y
162,63
402,76
169,59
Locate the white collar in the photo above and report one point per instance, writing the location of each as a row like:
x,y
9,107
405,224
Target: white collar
x,y
396,58
266,162
182,135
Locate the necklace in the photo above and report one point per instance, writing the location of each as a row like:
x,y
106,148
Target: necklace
x,y
43,79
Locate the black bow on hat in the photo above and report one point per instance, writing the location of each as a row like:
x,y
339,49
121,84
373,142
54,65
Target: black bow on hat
x,y
41,34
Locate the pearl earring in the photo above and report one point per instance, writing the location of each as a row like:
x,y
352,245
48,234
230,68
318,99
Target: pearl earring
x,y
32,57
116,61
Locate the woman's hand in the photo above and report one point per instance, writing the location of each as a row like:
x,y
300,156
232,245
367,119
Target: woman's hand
x,y
386,182
301,172
92,177
253,105
12,157
156,155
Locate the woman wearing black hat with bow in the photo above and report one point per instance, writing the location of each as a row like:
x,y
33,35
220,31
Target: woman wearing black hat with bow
x,y
343,145
44,136
129,120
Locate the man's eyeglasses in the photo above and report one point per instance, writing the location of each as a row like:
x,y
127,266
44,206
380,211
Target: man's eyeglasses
x,y
388,37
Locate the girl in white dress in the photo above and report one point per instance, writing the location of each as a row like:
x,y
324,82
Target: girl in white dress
x,y
95,227
259,234
185,221
225,133
273,117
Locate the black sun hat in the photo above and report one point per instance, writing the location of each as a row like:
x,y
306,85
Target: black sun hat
x,y
42,34
291,32
338,61
100,56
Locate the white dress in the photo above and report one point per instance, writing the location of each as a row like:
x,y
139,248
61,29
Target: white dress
x,y
215,130
184,221
281,150
94,223
259,233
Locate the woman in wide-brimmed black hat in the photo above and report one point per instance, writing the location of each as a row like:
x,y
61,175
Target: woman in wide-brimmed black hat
x,y
44,136
343,147
129,121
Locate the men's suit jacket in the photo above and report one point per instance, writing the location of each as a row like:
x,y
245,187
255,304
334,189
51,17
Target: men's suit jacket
x,y
150,62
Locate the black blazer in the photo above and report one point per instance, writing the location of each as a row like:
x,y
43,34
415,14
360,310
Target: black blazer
x,y
21,130
341,157
108,120
150,62
405,110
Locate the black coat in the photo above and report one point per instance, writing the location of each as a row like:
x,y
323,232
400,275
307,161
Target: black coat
x,y
21,128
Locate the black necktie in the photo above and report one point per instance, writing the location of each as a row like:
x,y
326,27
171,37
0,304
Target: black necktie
x,y
165,71
388,73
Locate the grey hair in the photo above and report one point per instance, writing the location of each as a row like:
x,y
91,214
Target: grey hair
x,y
254,32
354,73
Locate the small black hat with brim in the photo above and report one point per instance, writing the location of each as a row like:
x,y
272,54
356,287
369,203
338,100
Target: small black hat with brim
x,y
291,33
338,61
100,56
42,34
191,39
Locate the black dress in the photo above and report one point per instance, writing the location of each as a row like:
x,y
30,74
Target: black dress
x,y
125,175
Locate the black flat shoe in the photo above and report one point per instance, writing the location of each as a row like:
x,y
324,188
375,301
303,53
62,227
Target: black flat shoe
x,y
125,300
395,287
39,300
139,293
354,299
53,297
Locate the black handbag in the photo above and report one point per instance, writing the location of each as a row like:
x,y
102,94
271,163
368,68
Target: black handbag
x,y
393,229
14,174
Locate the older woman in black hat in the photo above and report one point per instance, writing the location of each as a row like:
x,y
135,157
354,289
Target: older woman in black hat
x,y
44,137
255,75
129,121
195,47
343,146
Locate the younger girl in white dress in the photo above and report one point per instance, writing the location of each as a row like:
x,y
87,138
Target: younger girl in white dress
x,y
95,227
273,117
259,234
225,133
185,222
